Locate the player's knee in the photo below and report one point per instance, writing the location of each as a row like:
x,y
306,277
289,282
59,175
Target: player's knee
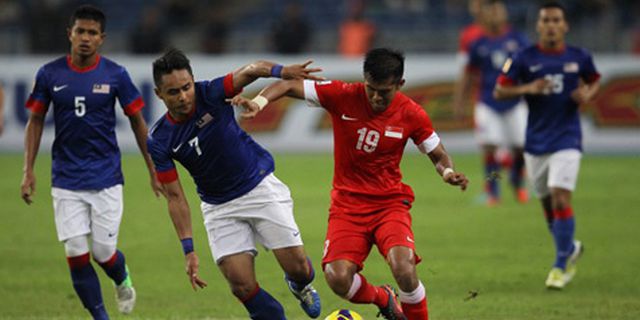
x,y
404,274
243,290
339,280
76,246
102,252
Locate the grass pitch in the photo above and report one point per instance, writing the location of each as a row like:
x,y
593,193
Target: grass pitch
x,y
479,262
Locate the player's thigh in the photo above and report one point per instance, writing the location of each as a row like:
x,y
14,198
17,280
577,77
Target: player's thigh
x,y
393,230
489,125
239,270
564,166
106,215
227,235
537,167
72,214
515,122
348,238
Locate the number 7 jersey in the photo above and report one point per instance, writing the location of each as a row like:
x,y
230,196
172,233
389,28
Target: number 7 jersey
x,y
368,147
85,153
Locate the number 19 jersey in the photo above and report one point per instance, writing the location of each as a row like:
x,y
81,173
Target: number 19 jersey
x,y
368,147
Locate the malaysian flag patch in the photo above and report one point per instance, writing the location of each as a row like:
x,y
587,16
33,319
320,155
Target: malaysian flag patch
x,y
101,88
571,67
204,120
393,132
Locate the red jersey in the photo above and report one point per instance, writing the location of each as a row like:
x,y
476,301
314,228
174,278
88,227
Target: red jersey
x,y
368,147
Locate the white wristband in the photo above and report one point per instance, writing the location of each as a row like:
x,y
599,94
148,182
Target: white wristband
x,y
260,101
446,172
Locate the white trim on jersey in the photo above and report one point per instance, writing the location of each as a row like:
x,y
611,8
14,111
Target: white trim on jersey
x,y
310,93
429,143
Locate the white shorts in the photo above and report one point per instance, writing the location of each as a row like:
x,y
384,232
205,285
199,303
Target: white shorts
x,y
95,212
263,215
554,170
501,129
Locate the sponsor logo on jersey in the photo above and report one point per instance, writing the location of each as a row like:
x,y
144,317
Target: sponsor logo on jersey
x,y
393,132
571,67
101,88
204,120
58,88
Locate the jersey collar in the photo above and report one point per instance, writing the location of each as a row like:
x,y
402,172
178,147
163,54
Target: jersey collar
x,y
556,51
174,121
84,69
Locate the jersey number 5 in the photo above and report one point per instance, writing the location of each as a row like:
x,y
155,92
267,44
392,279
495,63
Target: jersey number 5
x,y
80,107
367,140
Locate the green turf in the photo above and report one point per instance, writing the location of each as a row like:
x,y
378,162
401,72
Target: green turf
x,y
501,253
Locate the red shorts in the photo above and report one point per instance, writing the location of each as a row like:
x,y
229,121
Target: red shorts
x,y
350,237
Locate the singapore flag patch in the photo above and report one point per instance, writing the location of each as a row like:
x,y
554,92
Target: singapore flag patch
x,y
393,132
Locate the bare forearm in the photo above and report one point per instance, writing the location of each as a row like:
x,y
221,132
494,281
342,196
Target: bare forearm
x,y
33,136
251,72
279,89
140,132
509,92
181,217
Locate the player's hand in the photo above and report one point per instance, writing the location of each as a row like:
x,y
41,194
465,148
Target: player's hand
x,y
539,86
250,108
581,94
456,179
192,264
300,71
28,187
156,186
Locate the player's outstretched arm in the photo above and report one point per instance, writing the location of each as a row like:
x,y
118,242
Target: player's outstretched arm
x,y
265,69
444,165
585,92
461,91
139,128
32,138
181,218
274,91
535,87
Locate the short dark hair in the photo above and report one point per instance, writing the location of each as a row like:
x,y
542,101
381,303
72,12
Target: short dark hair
x,y
554,5
380,64
88,12
173,59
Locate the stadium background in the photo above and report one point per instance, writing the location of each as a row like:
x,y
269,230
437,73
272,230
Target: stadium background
x,y
502,253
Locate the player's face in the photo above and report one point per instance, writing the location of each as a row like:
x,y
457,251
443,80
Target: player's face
x,y
494,15
551,25
85,37
177,91
380,94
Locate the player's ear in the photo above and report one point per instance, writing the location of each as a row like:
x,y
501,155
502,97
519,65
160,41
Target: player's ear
x,y
401,83
69,34
157,92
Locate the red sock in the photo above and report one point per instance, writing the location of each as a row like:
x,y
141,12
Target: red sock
x,y
416,311
414,304
368,293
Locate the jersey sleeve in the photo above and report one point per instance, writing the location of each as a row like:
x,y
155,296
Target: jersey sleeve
x,y
39,98
165,168
588,71
128,95
474,61
220,89
423,132
511,71
324,94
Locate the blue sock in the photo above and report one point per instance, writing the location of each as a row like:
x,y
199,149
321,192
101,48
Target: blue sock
x,y
491,168
516,174
115,267
85,282
300,285
563,230
262,306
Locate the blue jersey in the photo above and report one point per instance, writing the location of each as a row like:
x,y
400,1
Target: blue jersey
x,y
554,121
223,160
85,153
487,55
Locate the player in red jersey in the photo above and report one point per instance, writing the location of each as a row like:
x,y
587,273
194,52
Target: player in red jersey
x,y
372,122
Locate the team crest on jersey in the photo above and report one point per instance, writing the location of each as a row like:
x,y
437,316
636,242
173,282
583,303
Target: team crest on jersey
x,y
571,67
101,88
393,132
204,120
507,65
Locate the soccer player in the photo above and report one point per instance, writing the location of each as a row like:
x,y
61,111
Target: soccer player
x,y
497,123
242,200
555,80
86,174
372,122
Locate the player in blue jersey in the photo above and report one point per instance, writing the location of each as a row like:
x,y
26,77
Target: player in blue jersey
x,y
555,80
497,123
86,175
241,200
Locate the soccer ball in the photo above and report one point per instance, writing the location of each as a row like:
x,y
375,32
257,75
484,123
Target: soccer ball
x,y
343,314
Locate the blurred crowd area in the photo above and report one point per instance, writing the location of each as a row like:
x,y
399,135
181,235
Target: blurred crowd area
x,y
293,27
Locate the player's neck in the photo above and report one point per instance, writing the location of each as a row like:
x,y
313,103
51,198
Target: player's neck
x,y
551,46
82,61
